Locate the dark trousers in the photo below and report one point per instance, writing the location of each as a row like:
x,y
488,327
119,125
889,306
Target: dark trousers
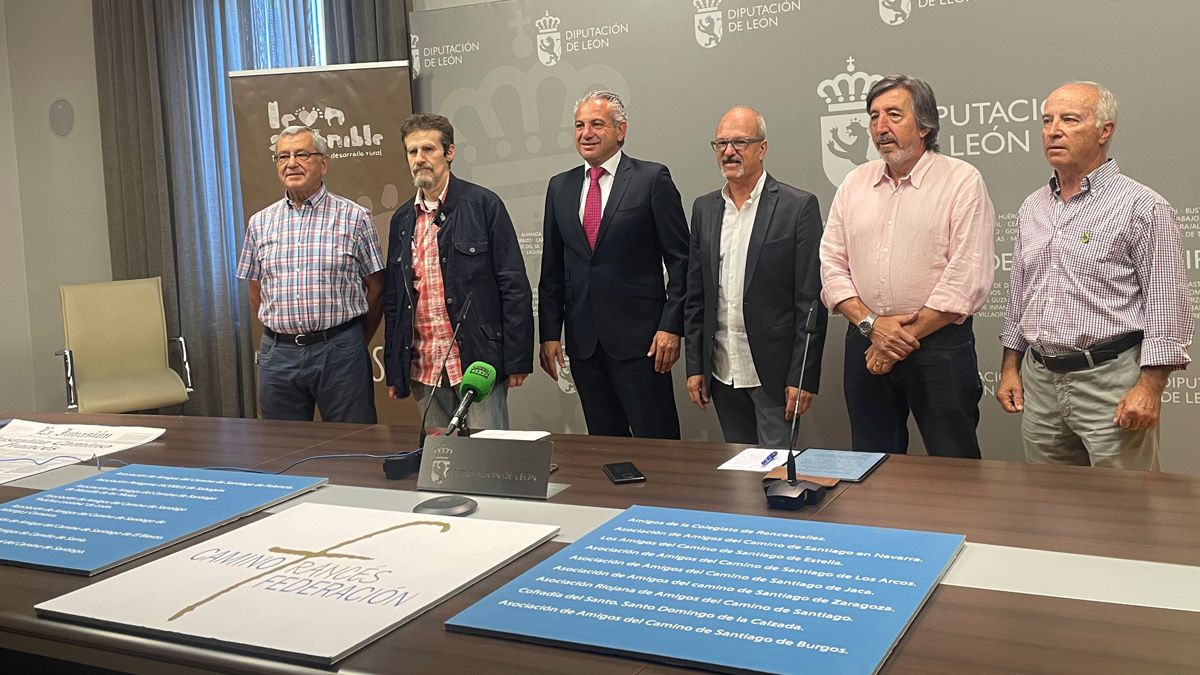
x,y
939,383
625,397
335,376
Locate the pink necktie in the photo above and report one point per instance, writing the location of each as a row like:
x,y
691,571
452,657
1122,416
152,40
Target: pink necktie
x,y
591,207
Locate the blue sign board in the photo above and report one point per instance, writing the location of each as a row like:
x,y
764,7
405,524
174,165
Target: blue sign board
x,y
725,591
96,523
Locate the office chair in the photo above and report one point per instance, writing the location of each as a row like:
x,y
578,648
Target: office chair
x,y
116,348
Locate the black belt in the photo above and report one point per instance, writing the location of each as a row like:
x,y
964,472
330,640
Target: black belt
x,y
305,339
1090,358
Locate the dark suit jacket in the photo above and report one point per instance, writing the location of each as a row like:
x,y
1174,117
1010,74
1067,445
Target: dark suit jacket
x,y
480,255
614,295
783,278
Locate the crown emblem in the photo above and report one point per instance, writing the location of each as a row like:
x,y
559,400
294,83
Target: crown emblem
x,y
706,5
848,90
547,23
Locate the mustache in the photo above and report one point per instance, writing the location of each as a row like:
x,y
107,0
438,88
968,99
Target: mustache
x,y
885,138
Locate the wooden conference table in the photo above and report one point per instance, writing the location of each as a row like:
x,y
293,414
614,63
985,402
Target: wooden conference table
x,y
963,629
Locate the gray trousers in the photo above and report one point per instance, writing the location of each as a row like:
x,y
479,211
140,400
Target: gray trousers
x,y
750,416
490,413
1068,417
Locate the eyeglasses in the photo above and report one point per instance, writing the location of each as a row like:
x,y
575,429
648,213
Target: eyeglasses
x,y
300,155
738,144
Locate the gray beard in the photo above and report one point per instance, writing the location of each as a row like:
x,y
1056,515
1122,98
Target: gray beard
x,y
423,181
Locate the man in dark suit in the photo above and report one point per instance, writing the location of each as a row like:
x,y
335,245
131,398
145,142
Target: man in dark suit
x,y
753,275
609,231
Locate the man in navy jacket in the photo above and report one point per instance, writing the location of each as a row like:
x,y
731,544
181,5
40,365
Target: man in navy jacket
x,y
453,243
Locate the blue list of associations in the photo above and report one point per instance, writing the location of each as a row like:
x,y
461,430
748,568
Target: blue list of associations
x,y
95,523
737,592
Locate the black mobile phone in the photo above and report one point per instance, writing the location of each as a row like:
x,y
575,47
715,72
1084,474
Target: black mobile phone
x,y
623,472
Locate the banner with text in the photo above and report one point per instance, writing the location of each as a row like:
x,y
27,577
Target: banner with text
x,y
358,110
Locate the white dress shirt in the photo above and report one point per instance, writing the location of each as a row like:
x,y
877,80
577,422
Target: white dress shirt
x,y
732,363
606,182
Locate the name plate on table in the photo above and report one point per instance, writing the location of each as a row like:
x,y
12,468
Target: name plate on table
x,y
486,466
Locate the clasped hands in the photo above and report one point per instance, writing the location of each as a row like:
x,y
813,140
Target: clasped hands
x,y
891,342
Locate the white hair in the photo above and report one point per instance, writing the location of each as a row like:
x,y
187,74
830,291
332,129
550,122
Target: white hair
x,y
618,107
296,129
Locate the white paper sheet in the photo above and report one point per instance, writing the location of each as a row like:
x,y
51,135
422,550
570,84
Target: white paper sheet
x,y
28,448
756,459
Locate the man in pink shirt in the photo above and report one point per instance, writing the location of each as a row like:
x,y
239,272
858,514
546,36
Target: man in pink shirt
x,y
907,258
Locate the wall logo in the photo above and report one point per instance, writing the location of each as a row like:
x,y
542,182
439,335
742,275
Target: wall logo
x,y
846,131
707,22
895,12
711,25
440,55
415,63
549,40
566,383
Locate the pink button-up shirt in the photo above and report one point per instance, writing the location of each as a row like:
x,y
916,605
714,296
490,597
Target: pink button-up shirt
x,y
923,240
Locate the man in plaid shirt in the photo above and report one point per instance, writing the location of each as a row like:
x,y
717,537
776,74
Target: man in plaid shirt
x,y
314,266
1098,298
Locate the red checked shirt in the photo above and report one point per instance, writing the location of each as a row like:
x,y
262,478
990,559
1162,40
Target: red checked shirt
x,y
431,321
311,261
1107,262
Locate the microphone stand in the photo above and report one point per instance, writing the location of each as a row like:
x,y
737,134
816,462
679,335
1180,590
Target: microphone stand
x,y
442,368
404,464
792,494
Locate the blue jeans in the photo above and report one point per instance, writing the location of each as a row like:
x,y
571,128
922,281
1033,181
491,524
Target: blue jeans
x,y
334,376
939,383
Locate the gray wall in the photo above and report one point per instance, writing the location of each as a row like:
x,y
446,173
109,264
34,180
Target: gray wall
x,y
991,62
53,221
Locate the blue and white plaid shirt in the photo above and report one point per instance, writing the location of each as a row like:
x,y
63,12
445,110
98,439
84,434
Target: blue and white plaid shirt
x,y
311,261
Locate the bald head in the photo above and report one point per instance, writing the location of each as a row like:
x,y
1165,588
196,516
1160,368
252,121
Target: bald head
x,y
741,126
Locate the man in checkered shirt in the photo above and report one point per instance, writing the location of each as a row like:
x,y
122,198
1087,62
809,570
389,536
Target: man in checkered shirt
x,y
316,283
1098,298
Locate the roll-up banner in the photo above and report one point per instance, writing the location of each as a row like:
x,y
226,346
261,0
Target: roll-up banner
x,y
358,109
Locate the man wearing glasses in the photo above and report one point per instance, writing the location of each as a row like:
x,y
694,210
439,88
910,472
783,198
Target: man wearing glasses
x,y
316,283
907,258
753,274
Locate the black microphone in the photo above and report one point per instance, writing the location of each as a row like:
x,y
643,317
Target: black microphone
x,y
810,323
792,494
810,327
477,382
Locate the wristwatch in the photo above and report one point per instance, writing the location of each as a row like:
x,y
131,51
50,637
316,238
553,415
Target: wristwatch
x,y
867,324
